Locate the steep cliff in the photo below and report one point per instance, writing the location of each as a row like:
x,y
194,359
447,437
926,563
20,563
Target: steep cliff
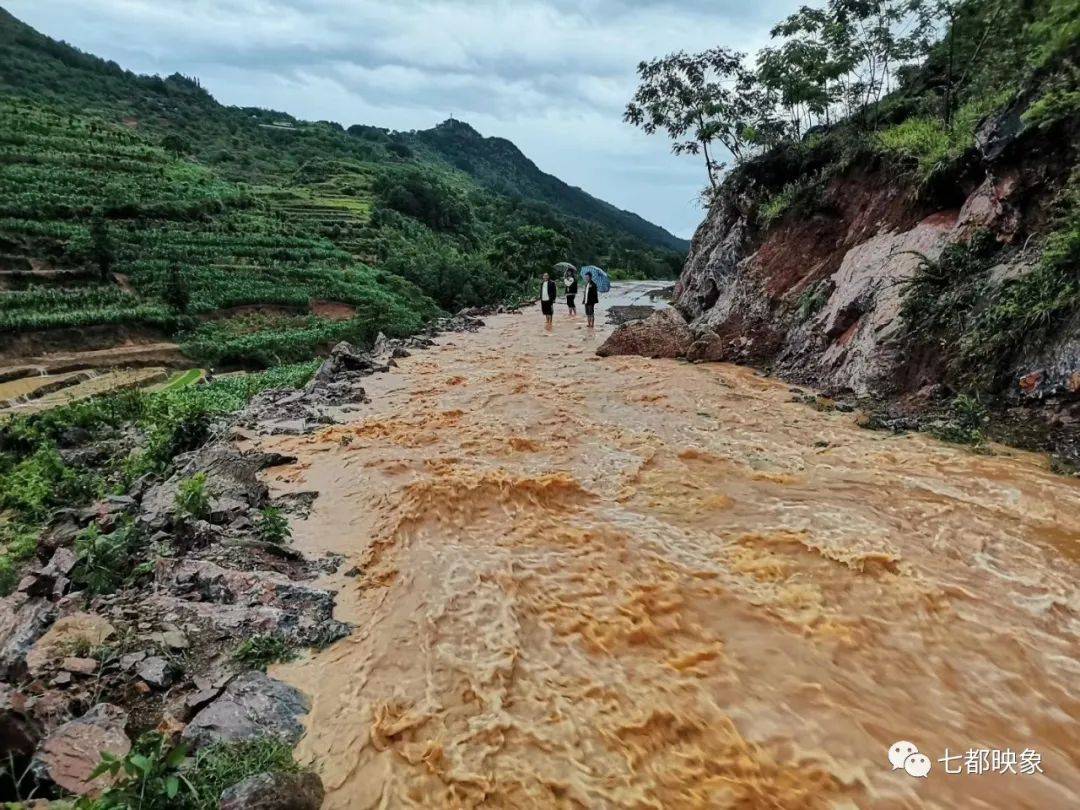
x,y
844,268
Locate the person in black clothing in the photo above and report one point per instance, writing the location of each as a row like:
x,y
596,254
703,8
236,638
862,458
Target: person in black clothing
x,y
591,299
547,299
571,292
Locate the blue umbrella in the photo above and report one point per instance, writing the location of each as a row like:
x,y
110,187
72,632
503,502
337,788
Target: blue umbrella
x,y
603,283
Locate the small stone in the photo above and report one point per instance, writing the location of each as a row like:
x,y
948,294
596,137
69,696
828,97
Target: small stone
x,y
61,679
131,659
196,700
80,666
175,639
156,671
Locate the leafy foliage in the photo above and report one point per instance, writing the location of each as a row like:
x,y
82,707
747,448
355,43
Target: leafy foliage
x,y
697,99
262,650
104,562
272,526
192,500
35,479
158,776
148,778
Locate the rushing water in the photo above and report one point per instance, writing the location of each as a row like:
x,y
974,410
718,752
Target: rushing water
x,y
632,583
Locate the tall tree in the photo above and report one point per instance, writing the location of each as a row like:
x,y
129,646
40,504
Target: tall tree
x,y
698,99
865,43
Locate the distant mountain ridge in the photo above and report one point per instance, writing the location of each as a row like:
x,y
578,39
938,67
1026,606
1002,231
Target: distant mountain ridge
x,y
498,164
31,62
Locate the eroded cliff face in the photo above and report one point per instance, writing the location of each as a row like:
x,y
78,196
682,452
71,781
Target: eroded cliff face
x,y
817,295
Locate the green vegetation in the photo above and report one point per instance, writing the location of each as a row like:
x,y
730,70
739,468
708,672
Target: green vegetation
x,y
262,650
157,776
272,526
107,561
192,501
953,306
912,79
965,422
933,144
35,480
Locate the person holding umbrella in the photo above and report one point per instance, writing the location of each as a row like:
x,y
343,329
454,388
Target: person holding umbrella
x,y
547,299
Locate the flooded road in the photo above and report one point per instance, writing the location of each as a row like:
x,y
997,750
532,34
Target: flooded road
x,y
631,583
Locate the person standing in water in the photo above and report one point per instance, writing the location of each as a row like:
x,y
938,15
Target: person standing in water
x,y
571,292
547,299
590,299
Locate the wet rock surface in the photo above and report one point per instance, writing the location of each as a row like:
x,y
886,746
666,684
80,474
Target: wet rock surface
x,y
662,334
252,706
275,791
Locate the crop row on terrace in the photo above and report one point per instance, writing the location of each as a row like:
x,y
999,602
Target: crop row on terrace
x,y
166,219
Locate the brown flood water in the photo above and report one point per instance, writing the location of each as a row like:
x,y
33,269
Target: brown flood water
x,y
632,583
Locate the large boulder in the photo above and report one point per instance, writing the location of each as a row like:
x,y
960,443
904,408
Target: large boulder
x,y
232,483
78,629
663,334
23,620
251,602
19,732
71,753
252,706
275,791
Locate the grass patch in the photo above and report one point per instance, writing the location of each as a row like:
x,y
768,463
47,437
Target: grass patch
x,y
931,144
262,650
965,422
158,776
272,526
35,480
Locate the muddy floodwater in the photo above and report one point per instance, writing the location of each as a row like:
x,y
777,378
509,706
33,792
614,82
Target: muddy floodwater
x,y
627,583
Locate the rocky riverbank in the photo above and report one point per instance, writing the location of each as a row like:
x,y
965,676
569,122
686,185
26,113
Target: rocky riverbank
x,y
180,649
948,306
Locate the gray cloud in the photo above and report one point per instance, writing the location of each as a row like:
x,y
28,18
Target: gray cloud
x,y
551,75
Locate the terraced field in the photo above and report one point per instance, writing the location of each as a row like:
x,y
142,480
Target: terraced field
x,y
99,226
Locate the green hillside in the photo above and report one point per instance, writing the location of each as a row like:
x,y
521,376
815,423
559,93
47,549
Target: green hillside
x,y
499,165
380,199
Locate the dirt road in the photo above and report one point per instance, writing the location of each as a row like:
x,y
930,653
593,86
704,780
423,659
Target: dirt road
x,y
631,583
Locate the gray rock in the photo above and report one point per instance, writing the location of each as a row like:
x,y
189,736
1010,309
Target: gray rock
x,y
231,479
129,660
252,601
23,620
275,791
253,705
174,639
61,532
156,671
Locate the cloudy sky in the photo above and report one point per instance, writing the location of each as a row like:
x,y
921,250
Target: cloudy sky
x,y
551,75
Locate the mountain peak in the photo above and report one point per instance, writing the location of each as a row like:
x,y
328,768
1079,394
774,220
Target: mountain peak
x,y
454,126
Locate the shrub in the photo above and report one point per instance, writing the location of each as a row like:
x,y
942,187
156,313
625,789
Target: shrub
x,y
105,562
192,500
262,650
272,526
148,778
966,422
